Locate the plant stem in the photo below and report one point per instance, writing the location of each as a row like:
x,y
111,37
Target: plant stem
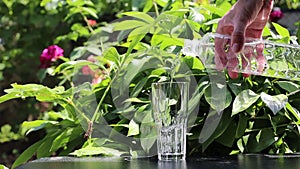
x,y
101,100
87,22
156,8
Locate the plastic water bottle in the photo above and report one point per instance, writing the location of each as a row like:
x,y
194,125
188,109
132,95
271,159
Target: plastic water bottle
x,y
279,60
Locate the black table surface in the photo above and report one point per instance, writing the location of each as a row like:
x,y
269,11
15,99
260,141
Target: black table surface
x,y
230,162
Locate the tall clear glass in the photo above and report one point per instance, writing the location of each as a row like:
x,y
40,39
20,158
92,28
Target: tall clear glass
x,y
170,109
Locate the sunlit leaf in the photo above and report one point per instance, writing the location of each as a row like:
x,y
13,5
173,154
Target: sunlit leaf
x,y
275,103
128,24
90,11
87,151
35,125
137,100
136,36
243,101
141,16
294,111
283,32
112,54
148,6
134,128
3,167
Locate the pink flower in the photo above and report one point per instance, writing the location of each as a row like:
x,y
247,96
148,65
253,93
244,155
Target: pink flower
x,y
276,14
92,22
49,55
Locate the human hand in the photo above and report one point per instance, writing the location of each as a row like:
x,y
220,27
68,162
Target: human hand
x,y
245,20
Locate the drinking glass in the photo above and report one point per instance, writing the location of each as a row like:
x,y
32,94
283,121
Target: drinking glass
x,y
170,106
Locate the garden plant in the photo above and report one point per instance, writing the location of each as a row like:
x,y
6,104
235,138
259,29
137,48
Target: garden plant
x,y
80,73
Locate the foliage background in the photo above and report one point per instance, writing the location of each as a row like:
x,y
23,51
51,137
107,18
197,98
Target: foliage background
x,y
27,27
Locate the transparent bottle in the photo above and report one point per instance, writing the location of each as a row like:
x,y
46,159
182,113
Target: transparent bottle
x,y
258,57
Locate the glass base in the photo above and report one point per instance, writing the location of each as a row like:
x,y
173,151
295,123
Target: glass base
x,y
171,157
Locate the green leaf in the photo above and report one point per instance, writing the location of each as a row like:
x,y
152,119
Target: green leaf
x,y
137,100
261,140
193,63
211,123
3,167
219,10
275,103
161,3
5,129
128,24
44,149
42,93
9,96
65,137
94,49
214,98
240,145
214,127
288,86
30,126
136,36
148,6
87,151
112,54
135,67
75,64
236,88
90,11
44,2
242,125
78,53
165,41
283,32
243,101
194,101
134,128
228,137
138,88
27,154
148,135
140,15
294,111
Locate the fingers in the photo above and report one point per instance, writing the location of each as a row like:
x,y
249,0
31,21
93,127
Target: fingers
x,y
220,54
237,37
261,60
232,64
246,55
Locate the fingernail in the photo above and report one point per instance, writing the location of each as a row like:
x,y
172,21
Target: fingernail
x,y
235,48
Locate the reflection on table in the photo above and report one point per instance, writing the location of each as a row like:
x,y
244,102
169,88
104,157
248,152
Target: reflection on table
x,y
230,162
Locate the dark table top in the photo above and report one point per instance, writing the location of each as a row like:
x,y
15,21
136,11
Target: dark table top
x,y
230,162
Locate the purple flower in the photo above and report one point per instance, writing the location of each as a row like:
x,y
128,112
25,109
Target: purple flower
x,y
50,54
276,14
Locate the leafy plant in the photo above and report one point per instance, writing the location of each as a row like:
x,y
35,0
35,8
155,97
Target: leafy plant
x,y
7,135
101,105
